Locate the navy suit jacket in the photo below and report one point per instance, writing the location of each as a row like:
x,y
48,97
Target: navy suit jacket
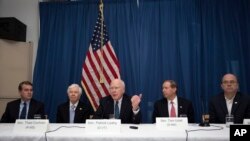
x,y
218,108
82,112
12,110
106,108
184,107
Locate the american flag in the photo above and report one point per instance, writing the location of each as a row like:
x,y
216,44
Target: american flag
x,y
100,66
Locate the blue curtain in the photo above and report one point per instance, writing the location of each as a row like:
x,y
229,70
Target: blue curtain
x,y
193,42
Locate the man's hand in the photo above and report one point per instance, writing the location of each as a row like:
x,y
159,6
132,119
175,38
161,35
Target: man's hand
x,y
135,100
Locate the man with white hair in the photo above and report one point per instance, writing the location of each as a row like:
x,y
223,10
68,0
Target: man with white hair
x,y
119,105
73,111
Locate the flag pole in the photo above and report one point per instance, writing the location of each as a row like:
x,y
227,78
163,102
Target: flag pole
x,y
102,19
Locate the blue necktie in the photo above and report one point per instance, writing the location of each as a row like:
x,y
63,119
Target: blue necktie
x,y
117,113
72,114
23,113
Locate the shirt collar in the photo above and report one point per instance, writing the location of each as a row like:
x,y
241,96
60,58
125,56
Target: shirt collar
x,y
70,104
174,100
119,101
228,100
27,102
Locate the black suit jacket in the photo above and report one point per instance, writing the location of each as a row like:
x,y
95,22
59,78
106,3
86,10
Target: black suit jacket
x,y
184,107
218,108
106,108
12,110
82,112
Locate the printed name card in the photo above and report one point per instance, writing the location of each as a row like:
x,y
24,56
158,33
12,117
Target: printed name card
x,y
31,126
170,123
103,125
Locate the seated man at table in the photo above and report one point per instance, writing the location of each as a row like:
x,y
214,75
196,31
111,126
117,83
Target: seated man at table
x,y
119,104
74,110
229,102
25,107
172,105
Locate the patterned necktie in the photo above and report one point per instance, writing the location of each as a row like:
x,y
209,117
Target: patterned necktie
x,y
72,114
117,113
172,111
24,110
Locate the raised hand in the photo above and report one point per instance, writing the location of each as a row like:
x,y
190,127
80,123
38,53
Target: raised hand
x,y
135,100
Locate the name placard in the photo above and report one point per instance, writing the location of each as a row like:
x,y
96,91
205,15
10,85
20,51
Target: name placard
x,y
31,126
103,125
246,121
170,123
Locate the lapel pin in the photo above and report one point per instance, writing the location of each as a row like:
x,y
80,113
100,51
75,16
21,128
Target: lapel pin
x,y
80,109
235,102
180,106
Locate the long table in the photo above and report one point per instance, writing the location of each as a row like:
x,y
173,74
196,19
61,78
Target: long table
x,y
145,132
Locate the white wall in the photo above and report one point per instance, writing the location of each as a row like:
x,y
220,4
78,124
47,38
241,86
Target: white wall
x,y
27,11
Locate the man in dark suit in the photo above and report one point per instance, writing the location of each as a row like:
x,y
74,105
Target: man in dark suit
x,y
25,107
73,111
229,102
119,105
172,105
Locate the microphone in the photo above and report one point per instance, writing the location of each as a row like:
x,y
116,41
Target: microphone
x,y
205,117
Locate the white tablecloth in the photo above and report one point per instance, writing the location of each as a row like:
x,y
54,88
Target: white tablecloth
x,y
145,132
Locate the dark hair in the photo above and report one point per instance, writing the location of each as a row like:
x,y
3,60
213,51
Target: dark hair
x,y
172,83
20,86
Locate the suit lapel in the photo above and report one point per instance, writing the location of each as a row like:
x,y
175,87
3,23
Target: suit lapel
x,y
17,108
66,109
236,103
223,104
109,109
78,111
164,108
180,107
124,107
31,109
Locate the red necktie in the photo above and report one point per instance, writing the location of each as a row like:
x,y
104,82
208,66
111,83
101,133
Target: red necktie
x,y
172,110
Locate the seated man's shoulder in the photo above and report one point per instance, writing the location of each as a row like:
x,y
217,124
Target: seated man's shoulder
x,y
34,101
184,100
13,102
106,98
63,104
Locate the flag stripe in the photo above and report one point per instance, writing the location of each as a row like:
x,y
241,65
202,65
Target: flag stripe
x,y
91,89
92,82
90,97
111,69
112,54
96,67
112,63
96,61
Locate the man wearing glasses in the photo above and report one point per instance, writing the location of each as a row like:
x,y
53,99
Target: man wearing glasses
x,y
229,102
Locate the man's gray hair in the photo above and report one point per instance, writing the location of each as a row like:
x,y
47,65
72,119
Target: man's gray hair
x,y
75,85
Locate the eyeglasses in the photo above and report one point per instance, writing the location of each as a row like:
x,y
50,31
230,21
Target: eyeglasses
x,y
229,82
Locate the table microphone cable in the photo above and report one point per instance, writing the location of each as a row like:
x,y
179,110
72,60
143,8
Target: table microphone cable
x,y
60,128
218,128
